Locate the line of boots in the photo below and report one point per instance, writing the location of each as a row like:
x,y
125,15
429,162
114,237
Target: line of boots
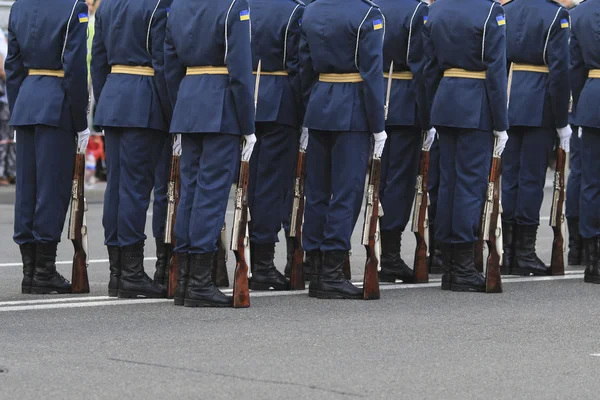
x,y
458,268
39,270
592,270
329,280
393,266
520,257
577,251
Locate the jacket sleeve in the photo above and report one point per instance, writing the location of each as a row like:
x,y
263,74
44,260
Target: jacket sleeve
x,y
577,71
75,67
99,67
174,69
558,64
308,75
494,59
432,73
158,31
416,63
239,65
370,66
293,57
15,70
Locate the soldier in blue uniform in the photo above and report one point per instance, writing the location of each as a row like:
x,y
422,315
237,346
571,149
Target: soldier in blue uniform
x,y
211,86
159,213
275,42
465,73
341,67
538,109
134,111
406,121
585,84
46,81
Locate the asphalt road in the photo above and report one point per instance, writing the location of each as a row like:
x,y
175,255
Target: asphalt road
x,y
537,340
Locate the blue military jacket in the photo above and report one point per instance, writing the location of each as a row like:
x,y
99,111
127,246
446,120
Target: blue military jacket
x,y
466,34
343,37
210,33
538,34
403,44
276,41
48,35
132,33
585,56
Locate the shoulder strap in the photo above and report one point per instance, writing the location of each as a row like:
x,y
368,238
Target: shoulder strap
x,y
62,56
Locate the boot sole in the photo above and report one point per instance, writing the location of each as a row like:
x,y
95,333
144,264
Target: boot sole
x,y
266,286
337,296
467,288
125,294
42,290
527,272
200,303
592,279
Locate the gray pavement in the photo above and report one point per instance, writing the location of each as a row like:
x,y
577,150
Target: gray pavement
x,y
537,340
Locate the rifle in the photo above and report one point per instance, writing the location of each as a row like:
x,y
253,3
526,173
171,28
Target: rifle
x,y
173,192
420,220
78,229
240,242
296,218
557,216
491,230
371,236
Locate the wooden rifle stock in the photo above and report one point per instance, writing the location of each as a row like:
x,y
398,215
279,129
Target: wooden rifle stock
x,y
239,240
78,229
493,230
557,217
296,218
419,221
173,192
371,233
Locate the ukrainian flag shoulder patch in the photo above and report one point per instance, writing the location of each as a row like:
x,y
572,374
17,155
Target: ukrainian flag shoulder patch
x,y
500,20
244,15
425,18
83,18
564,23
377,24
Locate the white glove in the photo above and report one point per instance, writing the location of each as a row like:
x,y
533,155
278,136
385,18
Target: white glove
x,y
429,139
304,139
580,133
177,145
564,135
502,139
380,139
82,140
249,142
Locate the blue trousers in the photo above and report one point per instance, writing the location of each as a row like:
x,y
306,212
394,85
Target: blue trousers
x,y
399,169
269,170
209,164
45,158
465,161
161,181
131,158
524,165
289,164
433,180
574,181
589,211
336,167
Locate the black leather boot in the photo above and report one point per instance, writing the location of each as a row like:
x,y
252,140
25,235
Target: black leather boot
x,y
114,264
526,260
466,278
393,266
575,242
508,244
183,274
163,257
28,259
45,278
134,282
436,263
201,291
592,270
314,259
219,272
289,247
264,274
333,284
447,265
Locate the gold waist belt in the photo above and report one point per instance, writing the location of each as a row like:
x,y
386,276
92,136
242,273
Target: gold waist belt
x,y
207,70
340,78
594,73
132,70
59,73
541,69
272,73
463,73
400,75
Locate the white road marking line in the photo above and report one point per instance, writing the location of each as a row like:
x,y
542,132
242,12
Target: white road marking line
x,y
42,300
98,261
595,355
82,302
